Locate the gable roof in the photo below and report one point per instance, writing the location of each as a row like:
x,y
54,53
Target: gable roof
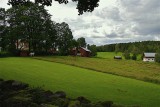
x,y
149,54
86,49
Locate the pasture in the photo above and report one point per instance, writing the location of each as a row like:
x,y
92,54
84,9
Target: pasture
x,y
145,71
110,55
76,81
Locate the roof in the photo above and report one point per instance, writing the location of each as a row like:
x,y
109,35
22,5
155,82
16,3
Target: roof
x,y
86,49
117,56
149,54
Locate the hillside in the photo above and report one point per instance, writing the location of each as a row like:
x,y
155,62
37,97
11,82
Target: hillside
x,y
149,72
77,81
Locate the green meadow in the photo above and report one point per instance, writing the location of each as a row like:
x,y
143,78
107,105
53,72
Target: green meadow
x,y
110,55
140,70
76,81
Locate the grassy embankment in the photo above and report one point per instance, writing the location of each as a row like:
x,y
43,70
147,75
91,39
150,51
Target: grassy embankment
x,y
77,81
140,70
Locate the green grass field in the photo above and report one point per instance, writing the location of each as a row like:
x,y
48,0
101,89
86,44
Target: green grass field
x,y
110,55
149,72
77,81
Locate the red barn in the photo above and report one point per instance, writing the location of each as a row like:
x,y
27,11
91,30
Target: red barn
x,y
84,52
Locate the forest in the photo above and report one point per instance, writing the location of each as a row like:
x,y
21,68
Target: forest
x,y
132,47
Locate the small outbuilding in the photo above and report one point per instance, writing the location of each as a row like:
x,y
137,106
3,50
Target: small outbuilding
x,y
117,57
149,57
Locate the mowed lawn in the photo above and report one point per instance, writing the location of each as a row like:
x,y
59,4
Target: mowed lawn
x,y
76,81
140,70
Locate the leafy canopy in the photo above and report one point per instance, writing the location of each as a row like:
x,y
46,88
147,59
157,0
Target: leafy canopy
x,y
82,5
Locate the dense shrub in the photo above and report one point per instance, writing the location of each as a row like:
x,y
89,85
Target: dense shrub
x,y
17,94
134,57
60,94
5,54
157,57
93,50
83,100
107,103
61,102
74,104
126,55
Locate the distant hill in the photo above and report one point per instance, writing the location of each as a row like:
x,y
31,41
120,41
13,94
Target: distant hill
x,y
133,47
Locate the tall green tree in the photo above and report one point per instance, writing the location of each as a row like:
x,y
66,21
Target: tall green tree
x,y
93,49
82,5
2,28
134,57
117,48
74,43
64,38
157,57
126,55
81,42
50,36
30,23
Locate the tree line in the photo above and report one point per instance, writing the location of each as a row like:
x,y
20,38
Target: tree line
x,y
32,24
132,47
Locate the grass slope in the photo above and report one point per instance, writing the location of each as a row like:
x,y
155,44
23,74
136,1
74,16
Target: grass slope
x,y
80,82
110,55
127,68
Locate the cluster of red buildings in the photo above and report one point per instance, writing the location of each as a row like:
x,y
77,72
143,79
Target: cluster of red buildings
x,y
81,51
84,52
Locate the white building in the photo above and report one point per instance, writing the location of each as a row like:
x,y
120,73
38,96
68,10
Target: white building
x,y
149,57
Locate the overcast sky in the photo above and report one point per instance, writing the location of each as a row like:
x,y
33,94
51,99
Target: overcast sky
x,y
114,21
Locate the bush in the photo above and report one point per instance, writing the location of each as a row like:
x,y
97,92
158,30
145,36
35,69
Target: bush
x,y
93,50
157,57
38,96
60,94
24,96
5,54
74,104
61,102
126,55
134,57
83,100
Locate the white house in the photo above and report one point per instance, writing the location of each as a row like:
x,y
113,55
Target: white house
x,y
149,57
